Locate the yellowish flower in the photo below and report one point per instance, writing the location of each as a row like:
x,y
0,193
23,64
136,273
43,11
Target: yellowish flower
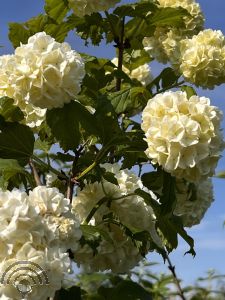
x,y
183,135
202,58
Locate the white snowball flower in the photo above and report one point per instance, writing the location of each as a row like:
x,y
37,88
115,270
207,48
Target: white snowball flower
x,y
183,135
164,44
87,7
49,201
202,58
50,264
193,210
63,226
19,222
130,210
34,116
142,73
49,73
42,73
66,231
38,228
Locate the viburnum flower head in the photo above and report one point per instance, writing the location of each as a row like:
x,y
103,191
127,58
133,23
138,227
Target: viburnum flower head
x,y
19,222
52,261
130,210
192,208
38,228
87,7
183,135
164,44
34,116
55,211
52,71
202,58
43,73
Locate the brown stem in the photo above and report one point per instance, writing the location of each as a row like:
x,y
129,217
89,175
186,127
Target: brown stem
x,y
171,267
120,54
71,180
70,188
35,173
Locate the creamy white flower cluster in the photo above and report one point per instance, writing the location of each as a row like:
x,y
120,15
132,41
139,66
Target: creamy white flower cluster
x,y
192,209
142,73
202,58
87,7
183,135
120,254
164,44
36,228
41,74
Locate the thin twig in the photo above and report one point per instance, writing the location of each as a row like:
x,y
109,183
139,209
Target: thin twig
x,y
71,180
120,55
48,167
35,173
171,267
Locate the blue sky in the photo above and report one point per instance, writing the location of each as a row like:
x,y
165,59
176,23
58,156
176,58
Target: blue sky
x,y
210,235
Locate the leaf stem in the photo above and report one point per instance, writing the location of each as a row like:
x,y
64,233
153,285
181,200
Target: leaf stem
x,y
87,170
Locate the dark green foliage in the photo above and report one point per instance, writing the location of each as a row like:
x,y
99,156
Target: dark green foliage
x,y
16,142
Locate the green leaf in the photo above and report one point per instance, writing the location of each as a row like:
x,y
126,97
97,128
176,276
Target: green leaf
x,y
171,226
18,34
139,26
168,16
124,10
139,9
88,27
168,198
91,232
128,100
128,290
73,293
105,114
68,122
56,9
189,91
9,111
59,31
153,180
8,169
165,79
42,145
149,201
132,59
16,142
110,177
